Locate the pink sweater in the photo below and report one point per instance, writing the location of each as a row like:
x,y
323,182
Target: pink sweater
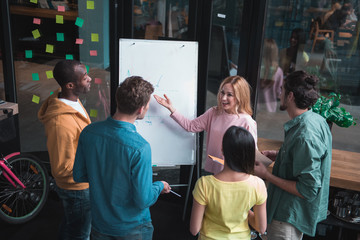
x,y
216,124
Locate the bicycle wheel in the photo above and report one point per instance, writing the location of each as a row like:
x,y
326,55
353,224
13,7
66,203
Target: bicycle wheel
x,y
18,205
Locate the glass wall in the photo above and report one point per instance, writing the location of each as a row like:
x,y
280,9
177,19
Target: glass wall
x,y
321,38
44,32
161,19
2,87
224,42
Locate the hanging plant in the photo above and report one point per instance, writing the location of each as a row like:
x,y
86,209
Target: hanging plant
x,y
328,107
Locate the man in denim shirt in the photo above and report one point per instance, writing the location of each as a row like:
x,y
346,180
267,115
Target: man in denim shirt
x,y
299,183
116,161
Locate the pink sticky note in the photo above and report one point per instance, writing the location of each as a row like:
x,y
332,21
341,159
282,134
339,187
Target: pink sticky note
x,y
61,9
98,81
93,52
37,21
79,41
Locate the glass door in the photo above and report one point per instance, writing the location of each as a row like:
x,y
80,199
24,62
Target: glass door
x,y
44,32
161,19
301,35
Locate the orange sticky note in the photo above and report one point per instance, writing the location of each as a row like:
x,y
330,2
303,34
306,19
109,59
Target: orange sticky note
x,y
36,99
61,9
98,81
216,159
93,52
37,21
79,41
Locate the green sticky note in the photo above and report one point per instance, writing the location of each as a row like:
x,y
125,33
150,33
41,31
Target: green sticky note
x,y
90,5
79,22
36,33
87,68
59,19
60,37
28,53
49,48
36,99
94,37
51,93
34,1
35,77
69,57
49,74
93,113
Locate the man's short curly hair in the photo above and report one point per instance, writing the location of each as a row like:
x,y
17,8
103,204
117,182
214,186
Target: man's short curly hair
x,y
133,93
303,85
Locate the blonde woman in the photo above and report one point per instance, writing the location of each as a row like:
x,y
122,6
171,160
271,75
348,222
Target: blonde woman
x,y
271,76
233,109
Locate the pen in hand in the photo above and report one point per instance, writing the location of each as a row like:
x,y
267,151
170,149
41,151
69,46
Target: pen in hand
x,y
175,193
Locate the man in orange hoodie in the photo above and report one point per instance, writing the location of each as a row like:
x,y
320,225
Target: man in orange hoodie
x,y
64,117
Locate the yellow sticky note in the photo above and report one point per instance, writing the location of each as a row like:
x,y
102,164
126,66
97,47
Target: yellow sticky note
x,y
49,74
90,5
36,99
49,48
34,1
279,24
93,113
36,33
94,37
59,19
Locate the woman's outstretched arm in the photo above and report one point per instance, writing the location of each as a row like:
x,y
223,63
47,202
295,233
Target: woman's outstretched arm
x,y
165,102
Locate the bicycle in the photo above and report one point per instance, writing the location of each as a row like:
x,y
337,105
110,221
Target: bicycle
x,y
24,186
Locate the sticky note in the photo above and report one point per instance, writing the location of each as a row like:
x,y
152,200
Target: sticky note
x,y
60,37
49,48
37,21
93,52
69,57
34,1
279,24
79,22
49,74
87,68
51,93
90,5
93,113
36,99
35,77
98,81
36,33
28,53
61,8
94,37
79,41
59,19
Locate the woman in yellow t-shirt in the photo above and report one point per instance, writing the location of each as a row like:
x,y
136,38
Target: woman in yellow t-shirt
x,y
222,202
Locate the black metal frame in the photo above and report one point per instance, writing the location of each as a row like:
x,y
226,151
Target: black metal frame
x,y
252,35
121,26
6,47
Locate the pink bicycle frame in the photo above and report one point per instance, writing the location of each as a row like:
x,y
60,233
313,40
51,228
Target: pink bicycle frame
x,y
9,172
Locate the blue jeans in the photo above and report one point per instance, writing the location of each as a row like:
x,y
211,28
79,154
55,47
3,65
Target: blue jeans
x,y
76,223
142,232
